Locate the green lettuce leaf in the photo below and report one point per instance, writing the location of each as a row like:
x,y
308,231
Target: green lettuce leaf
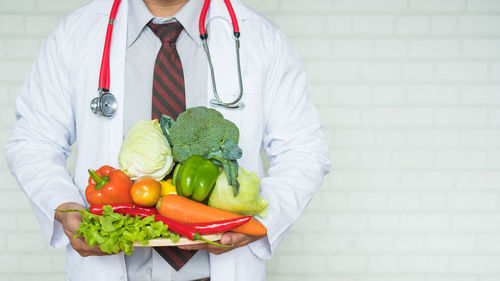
x,y
114,232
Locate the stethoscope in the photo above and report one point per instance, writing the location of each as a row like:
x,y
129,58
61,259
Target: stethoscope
x,y
105,103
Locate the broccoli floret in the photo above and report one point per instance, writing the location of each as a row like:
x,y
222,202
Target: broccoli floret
x,y
205,132
200,130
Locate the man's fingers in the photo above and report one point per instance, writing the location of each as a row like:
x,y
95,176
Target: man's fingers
x,y
84,249
236,239
228,238
81,247
71,222
216,250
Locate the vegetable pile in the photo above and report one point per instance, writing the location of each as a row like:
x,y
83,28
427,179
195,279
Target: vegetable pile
x,y
207,193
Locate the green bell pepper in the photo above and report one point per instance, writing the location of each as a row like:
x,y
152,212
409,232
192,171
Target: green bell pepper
x,y
195,178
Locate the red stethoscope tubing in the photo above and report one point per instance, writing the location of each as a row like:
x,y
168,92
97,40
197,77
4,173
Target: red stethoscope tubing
x,y
204,12
104,74
236,28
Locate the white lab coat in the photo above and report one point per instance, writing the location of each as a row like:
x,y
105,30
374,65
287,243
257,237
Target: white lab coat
x,y
53,112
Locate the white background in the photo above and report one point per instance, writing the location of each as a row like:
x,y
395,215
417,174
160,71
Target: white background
x,y
409,93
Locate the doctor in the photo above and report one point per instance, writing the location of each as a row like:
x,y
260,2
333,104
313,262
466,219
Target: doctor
x,y
53,113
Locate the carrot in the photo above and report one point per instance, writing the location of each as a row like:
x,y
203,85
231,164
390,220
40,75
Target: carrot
x,y
185,210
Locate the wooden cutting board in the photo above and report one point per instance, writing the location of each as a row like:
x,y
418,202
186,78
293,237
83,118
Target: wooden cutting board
x,y
182,241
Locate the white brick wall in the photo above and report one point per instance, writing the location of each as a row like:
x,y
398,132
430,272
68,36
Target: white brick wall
x,y
408,91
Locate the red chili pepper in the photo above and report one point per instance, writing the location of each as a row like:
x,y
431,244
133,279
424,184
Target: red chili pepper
x,y
175,226
97,209
219,226
202,228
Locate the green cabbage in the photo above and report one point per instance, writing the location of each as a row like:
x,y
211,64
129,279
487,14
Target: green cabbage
x,y
248,202
146,152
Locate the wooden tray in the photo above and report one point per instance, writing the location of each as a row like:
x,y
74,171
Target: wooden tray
x,y
182,241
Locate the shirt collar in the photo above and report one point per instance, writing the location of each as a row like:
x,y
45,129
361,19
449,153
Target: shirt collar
x,y
139,16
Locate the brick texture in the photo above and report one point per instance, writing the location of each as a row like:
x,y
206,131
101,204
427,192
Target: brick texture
x,y
408,92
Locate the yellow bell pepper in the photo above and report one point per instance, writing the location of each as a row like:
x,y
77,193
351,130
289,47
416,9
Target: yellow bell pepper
x,y
167,187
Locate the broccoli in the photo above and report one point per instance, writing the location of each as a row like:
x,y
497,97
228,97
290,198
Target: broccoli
x,y
205,132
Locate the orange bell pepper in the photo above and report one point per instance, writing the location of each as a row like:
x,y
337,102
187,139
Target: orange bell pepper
x,y
108,185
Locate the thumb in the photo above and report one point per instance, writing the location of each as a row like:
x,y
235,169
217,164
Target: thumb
x,y
226,239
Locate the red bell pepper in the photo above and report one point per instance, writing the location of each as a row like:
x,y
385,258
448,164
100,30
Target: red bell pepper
x,y
108,185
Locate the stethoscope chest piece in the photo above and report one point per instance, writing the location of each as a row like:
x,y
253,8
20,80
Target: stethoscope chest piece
x,y
104,105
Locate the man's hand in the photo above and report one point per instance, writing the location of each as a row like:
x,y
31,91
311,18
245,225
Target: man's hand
x,y
71,222
228,238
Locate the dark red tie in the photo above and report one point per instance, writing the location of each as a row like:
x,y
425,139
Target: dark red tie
x,y
169,98
168,79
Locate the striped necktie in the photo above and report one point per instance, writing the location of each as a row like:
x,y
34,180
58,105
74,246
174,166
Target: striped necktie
x,y
168,80
169,98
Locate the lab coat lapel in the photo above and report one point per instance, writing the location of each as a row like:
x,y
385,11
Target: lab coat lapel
x,y
100,138
223,54
221,46
222,51
117,87
111,130
117,73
